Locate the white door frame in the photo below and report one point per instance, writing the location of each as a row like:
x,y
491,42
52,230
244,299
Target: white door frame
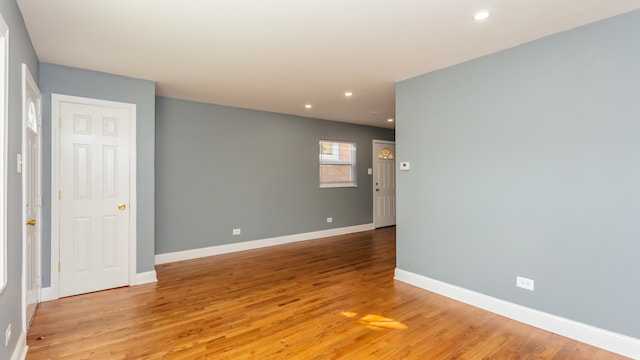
x,y
27,80
56,99
374,157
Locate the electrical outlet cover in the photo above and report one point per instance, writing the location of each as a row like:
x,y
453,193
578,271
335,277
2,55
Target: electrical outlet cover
x,y
524,283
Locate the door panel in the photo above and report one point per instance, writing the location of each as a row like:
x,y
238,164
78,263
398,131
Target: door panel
x,y
384,184
32,202
94,182
32,256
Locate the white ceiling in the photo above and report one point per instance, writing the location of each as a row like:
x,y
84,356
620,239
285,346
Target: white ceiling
x,y
279,55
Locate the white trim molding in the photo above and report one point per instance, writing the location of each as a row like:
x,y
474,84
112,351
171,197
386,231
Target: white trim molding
x,y
610,341
4,142
45,294
256,244
20,351
145,278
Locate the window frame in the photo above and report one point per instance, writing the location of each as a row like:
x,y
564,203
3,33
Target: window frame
x,y
4,163
334,159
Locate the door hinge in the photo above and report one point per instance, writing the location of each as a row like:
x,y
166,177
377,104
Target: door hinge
x,y
60,123
58,266
59,194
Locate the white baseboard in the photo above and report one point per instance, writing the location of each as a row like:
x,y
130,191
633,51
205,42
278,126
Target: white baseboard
x,y
145,278
614,342
256,244
45,294
20,352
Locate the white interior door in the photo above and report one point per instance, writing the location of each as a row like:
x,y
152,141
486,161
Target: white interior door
x,y
94,198
384,183
32,198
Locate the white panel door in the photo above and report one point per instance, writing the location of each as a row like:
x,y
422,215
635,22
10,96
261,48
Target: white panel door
x,y
384,183
94,197
32,198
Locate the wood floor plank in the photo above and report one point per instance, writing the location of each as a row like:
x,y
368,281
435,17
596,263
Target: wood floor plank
x,y
332,298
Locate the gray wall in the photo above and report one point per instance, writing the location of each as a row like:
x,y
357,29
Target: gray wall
x,y
526,162
20,51
78,82
220,168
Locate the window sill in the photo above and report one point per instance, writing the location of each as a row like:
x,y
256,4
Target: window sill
x,y
339,185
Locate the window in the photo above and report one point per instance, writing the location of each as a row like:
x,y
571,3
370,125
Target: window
x,y
337,164
385,154
4,80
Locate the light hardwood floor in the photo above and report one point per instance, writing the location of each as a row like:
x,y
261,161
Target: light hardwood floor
x,y
332,298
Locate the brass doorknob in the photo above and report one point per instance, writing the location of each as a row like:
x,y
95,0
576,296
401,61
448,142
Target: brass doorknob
x,y
31,222
122,206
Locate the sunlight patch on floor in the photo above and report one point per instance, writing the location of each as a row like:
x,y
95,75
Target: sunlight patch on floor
x,y
349,314
376,322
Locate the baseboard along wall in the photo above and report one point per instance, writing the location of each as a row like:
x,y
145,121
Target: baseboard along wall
x,y
145,278
20,352
256,244
604,339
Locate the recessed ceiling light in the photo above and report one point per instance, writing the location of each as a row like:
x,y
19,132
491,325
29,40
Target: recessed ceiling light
x,y
348,93
481,15
390,120
308,106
